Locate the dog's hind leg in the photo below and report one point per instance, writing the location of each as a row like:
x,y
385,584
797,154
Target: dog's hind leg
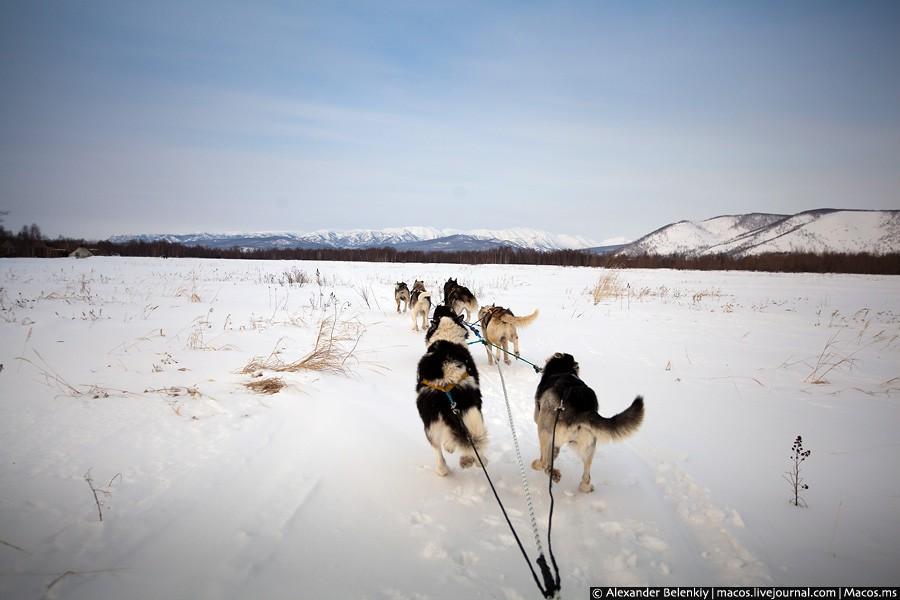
x,y
434,438
543,463
490,356
538,464
586,449
474,423
441,467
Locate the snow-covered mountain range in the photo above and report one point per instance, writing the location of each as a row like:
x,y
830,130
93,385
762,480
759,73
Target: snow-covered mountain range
x,y
821,230
401,238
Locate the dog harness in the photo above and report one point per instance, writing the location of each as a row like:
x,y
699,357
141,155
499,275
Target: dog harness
x,y
445,388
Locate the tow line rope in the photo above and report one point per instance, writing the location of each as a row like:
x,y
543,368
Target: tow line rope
x,y
481,340
551,586
547,592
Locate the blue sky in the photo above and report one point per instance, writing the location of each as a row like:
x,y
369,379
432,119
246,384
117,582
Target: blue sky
x,y
597,119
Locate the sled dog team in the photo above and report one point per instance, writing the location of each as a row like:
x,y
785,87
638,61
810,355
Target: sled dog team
x,y
447,370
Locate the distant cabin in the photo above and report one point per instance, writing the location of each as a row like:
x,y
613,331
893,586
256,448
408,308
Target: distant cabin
x,y
80,252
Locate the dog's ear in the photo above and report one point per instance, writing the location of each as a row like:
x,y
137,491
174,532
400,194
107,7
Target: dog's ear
x,y
562,362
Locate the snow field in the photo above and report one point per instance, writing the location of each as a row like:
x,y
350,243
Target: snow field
x,y
131,368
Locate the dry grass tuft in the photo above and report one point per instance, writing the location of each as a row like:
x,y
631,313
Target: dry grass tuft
x,y
607,287
174,391
266,385
832,357
54,379
332,352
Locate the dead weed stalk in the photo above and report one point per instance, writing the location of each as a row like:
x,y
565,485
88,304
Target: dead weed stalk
x,y
336,341
54,379
830,358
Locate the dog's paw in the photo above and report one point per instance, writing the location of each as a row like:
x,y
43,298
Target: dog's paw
x,y
536,465
586,487
466,461
442,470
556,475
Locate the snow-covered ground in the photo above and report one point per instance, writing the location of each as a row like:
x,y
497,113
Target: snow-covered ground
x,y
327,489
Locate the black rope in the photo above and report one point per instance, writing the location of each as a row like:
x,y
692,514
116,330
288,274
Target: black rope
x,y
541,562
559,410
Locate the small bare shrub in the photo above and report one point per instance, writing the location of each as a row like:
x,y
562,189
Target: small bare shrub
x,y
294,276
793,477
98,492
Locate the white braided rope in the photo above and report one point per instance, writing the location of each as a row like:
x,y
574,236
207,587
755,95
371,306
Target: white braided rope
x,y
528,501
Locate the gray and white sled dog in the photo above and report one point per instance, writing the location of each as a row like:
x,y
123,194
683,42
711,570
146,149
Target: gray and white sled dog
x,y
579,423
447,366
401,294
459,298
420,301
499,327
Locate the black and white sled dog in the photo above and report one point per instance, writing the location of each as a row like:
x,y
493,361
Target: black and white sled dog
x,y
401,294
460,298
448,366
579,423
420,301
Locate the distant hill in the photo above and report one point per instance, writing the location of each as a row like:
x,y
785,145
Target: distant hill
x,y
813,231
405,238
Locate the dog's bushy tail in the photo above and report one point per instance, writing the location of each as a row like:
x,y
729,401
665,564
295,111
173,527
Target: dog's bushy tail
x,y
426,296
520,321
623,424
